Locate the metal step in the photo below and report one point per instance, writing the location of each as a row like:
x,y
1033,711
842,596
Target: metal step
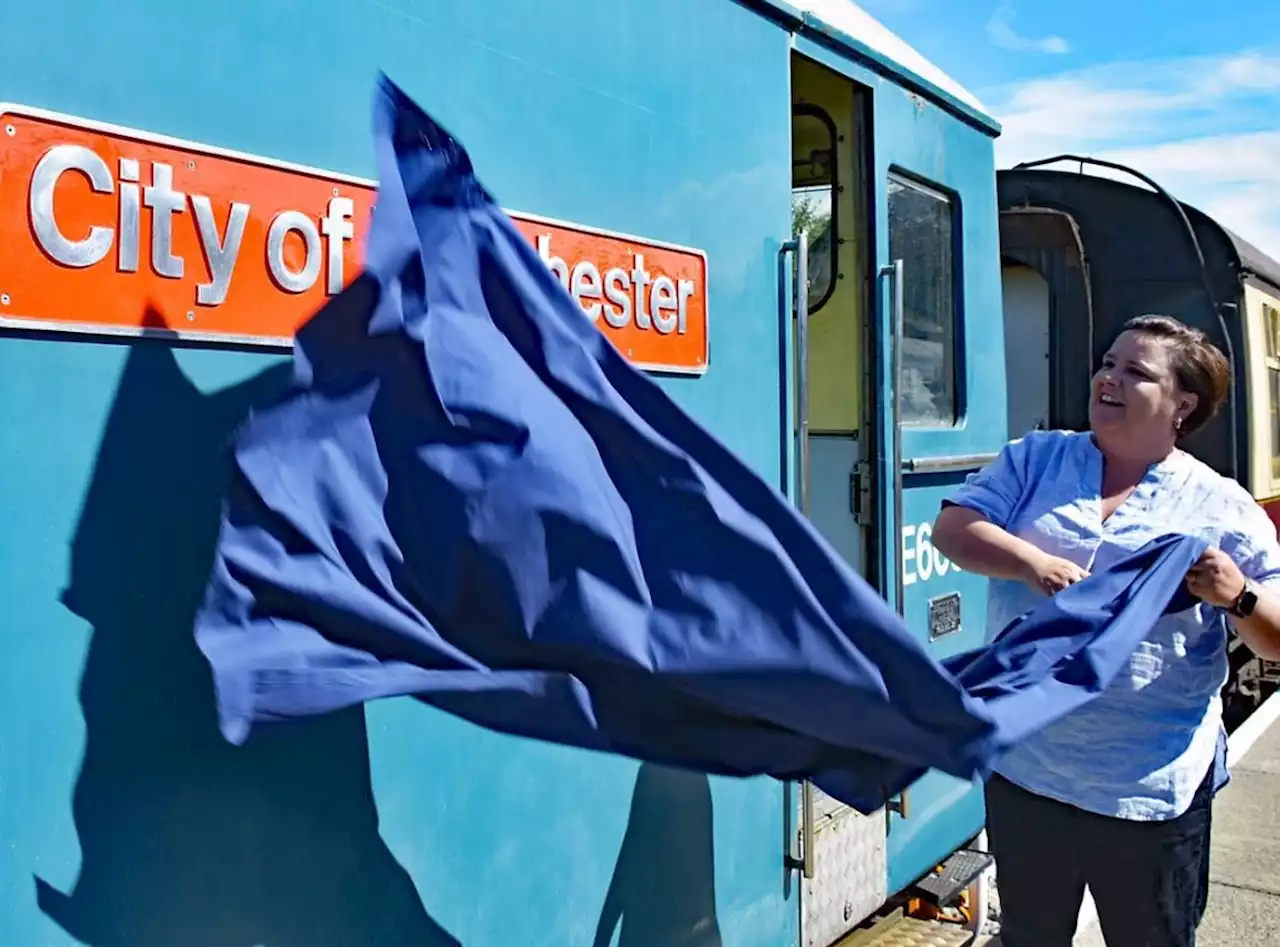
x,y
909,932
956,874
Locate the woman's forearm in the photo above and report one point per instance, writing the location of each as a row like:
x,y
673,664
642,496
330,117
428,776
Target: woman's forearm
x,y
1261,630
976,544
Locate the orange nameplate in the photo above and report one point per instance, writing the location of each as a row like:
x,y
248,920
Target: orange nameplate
x,y
104,229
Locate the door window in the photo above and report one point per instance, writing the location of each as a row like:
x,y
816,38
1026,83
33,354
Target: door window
x,y
922,235
813,196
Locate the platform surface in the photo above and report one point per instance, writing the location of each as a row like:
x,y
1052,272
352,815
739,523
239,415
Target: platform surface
x,y
1244,895
1244,874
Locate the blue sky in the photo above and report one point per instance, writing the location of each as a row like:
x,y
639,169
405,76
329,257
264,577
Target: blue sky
x,y
1187,92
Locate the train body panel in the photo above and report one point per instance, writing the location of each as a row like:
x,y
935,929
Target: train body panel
x,y
129,821
1078,233
119,793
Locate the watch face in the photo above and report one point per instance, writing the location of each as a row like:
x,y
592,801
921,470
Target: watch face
x,y
1247,602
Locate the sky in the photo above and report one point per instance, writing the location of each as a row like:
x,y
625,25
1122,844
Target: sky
x,y
1186,92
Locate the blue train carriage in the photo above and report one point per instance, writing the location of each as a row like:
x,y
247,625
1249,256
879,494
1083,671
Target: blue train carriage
x,y
164,228
1087,244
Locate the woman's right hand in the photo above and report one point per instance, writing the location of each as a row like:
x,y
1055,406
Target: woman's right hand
x,y
1051,575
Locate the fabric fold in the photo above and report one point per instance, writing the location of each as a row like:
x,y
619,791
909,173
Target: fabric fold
x,y
469,496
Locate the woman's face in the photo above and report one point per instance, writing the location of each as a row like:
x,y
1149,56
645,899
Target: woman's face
x,y
1136,394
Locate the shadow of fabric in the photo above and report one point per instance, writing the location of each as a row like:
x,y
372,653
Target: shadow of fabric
x,y
663,888
187,840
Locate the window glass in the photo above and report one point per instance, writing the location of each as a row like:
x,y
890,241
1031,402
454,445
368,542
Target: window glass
x,y
921,234
1271,326
813,183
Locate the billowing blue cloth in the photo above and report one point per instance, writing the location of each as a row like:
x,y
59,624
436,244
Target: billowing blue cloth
x,y
1063,653
470,497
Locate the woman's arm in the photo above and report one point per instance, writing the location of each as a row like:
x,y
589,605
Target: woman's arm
x,y
1261,630
970,530
973,542
1217,579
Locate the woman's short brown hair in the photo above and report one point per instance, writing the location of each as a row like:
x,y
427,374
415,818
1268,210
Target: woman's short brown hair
x,y
1199,365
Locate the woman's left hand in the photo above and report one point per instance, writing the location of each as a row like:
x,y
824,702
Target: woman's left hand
x,y
1216,579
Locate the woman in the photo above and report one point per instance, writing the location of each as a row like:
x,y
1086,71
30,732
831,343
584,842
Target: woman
x,y
1117,795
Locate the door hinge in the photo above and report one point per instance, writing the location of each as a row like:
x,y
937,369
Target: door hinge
x,y
860,493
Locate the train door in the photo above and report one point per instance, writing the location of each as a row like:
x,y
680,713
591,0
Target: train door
x,y
844,868
941,347
904,386
1026,339
944,412
1049,323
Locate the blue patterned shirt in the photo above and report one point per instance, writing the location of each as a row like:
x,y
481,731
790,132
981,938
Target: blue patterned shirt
x,y
1141,749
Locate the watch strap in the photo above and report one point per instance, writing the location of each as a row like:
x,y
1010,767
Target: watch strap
x,y
1245,602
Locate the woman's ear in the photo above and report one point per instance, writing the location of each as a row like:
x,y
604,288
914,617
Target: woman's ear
x,y
1187,402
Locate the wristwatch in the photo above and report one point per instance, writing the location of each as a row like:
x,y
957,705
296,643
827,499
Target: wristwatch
x,y
1245,602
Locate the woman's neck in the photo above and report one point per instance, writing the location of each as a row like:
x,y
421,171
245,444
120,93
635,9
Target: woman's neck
x,y
1123,465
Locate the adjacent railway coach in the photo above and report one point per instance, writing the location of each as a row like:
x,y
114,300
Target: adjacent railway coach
x,y
1084,252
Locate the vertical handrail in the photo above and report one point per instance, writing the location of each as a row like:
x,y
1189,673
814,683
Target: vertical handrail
x,y
800,308
808,867
893,271
802,366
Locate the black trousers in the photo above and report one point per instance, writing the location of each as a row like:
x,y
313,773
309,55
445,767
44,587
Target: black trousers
x,y
1149,880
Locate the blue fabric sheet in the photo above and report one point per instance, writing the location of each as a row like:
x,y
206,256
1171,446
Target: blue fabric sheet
x,y
470,497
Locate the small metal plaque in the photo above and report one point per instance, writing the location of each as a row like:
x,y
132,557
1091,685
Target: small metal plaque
x,y
944,615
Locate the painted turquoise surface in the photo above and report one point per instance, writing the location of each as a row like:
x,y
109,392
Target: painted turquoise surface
x,y
924,140
866,54
902,75
127,820
945,812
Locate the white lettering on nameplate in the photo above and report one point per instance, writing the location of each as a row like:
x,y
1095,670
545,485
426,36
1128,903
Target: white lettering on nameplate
x,y
921,561
165,204
632,293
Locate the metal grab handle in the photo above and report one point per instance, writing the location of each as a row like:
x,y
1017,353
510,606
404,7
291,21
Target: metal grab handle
x,y
807,833
893,272
950,463
802,368
802,472
799,424
800,308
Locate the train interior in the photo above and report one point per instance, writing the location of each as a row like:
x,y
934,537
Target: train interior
x,y
827,202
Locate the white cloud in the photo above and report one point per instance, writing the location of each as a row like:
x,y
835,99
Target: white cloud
x,y
1001,32
1207,129
1233,178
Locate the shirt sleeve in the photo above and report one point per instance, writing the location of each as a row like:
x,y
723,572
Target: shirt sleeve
x,y
996,489
1256,549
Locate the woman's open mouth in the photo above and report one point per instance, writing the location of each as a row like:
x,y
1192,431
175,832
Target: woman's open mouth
x,y
1109,400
